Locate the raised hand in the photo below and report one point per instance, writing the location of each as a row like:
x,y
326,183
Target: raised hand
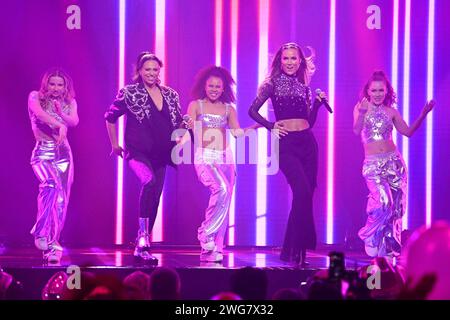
x,y
428,107
363,106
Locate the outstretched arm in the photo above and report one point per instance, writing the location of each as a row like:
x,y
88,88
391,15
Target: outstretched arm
x,y
403,127
235,127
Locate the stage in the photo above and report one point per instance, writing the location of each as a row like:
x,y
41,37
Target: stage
x,y
199,280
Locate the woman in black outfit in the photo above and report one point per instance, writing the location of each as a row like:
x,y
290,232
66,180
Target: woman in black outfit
x,y
153,112
288,88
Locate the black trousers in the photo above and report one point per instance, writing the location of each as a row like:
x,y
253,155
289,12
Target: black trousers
x,y
298,162
152,181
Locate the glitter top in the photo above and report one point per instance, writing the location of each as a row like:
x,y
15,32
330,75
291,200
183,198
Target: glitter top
x,y
290,98
211,120
377,126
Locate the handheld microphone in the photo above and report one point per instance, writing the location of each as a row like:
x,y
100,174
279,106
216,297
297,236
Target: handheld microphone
x,y
186,119
324,100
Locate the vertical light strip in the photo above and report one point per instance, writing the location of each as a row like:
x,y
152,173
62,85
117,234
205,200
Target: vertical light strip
x,y
405,107
331,117
430,85
121,127
231,262
218,31
234,37
160,51
260,259
261,178
118,258
394,60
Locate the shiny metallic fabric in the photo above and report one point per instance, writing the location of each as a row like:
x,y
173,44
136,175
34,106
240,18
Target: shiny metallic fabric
x,y
143,238
210,120
377,126
142,248
216,170
53,166
386,177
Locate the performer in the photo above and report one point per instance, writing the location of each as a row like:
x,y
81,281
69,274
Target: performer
x,y
153,112
212,108
288,88
384,169
52,109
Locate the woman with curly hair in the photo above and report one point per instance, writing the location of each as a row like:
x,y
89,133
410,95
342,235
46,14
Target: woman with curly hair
x,y
213,113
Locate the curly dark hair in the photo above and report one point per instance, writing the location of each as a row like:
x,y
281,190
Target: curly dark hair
x,y
141,59
379,75
198,90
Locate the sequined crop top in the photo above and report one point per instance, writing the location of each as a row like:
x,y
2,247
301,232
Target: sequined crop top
x,y
290,98
210,120
377,126
46,128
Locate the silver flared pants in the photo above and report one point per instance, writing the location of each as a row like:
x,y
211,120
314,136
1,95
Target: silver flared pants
x,y
386,180
53,166
216,170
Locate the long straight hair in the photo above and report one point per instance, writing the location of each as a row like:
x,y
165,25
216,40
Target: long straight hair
x,y
306,69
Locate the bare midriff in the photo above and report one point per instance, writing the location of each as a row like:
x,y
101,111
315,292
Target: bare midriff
x,y
377,147
214,138
41,136
295,124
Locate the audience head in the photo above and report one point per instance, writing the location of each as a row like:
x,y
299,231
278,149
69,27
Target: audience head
x,y
428,258
137,286
165,284
250,283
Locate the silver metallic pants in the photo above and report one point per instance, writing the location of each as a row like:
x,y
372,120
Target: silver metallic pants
x,y
53,166
386,177
216,170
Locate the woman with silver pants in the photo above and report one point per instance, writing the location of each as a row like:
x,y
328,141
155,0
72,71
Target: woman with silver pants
x,y
215,170
51,110
213,113
383,168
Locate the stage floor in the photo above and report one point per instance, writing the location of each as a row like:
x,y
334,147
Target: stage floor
x,y
173,256
200,280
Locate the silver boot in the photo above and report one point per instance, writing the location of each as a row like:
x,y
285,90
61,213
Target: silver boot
x,y
142,249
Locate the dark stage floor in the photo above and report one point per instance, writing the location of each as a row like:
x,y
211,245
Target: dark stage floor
x,y
199,280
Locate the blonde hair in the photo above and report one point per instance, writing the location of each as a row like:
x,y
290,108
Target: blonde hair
x,y
69,92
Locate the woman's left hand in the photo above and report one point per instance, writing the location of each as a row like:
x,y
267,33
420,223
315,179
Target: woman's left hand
x,y
428,107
